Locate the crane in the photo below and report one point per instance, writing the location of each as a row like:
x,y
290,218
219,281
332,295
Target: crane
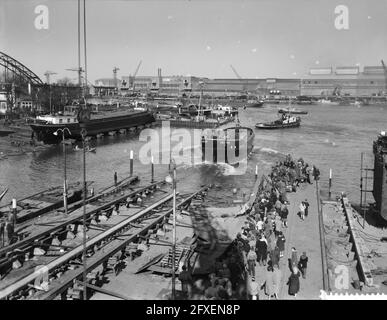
x,y
79,70
48,74
132,78
244,89
385,76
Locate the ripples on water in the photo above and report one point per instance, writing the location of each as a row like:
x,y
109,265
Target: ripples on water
x,y
329,137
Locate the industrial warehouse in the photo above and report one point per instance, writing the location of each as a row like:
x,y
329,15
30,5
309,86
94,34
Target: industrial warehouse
x,y
318,82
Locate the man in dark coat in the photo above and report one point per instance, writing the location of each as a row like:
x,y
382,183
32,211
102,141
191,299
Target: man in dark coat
x,y
186,281
294,282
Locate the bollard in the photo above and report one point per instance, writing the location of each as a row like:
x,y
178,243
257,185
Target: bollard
x,y
256,172
152,170
330,182
131,162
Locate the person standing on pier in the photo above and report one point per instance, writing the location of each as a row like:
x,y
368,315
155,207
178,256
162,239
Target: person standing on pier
x,y
262,250
277,277
306,205
281,243
294,282
186,282
251,259
293,261
115,178
316,173
303,264
284,215
302,210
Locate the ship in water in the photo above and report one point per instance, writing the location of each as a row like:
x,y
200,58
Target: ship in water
x,y
380,174
45,126
230,145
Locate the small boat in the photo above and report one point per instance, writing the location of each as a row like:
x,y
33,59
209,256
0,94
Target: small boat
x,y
44,202
287,121
254,103
292,110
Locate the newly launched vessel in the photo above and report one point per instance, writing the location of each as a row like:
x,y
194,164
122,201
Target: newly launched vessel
x,y
380,174
45,126
231,145
287,121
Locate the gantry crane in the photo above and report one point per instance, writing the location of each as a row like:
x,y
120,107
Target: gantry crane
x,y
79,70
48,74
132,83
244,86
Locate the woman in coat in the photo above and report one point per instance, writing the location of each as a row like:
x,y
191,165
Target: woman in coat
x,y
269,282
294,282
277,276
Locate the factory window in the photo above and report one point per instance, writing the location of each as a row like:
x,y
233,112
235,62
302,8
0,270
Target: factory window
x,y
315,82
372,82
68,120
60,120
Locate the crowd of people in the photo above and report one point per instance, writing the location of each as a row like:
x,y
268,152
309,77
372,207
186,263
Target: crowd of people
x,y
261,241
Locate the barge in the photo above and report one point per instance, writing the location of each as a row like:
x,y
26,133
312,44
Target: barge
x,y
45,126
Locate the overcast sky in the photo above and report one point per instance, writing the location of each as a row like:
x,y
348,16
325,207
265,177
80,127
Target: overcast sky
x,y
260,38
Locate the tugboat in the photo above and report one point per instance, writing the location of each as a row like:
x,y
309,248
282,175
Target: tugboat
x,y
287,121
219,144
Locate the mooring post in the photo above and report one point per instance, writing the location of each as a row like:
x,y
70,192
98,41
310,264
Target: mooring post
x,y
256,172
131,162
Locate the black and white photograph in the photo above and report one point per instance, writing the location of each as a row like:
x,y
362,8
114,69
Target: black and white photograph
x,y
209,151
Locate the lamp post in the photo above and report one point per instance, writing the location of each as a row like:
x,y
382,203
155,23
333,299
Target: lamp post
x,y
64,162
172,179
83,133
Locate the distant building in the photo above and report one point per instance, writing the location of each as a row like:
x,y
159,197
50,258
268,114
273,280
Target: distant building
x,y
344,81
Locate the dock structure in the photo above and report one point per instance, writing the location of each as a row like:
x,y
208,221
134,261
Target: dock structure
x,y
303,235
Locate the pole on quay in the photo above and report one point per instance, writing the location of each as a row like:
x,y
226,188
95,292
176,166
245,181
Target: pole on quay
x,y
131,162
152,170
330,182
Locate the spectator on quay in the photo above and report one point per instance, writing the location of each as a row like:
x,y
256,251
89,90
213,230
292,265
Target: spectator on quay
x,y
211,292
303,264
284,216
261,250
277,277
306,204
269,282
294,282
293,261
316,173
275,256
186,282
281,243
302,210
253,289
251,260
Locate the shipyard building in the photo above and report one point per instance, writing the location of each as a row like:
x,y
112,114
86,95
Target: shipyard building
x,y
318,82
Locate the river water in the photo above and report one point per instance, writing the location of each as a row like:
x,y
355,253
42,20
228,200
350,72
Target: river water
x,y
329,137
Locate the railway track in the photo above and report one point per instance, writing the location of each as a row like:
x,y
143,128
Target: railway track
x,y
52,278
41,235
